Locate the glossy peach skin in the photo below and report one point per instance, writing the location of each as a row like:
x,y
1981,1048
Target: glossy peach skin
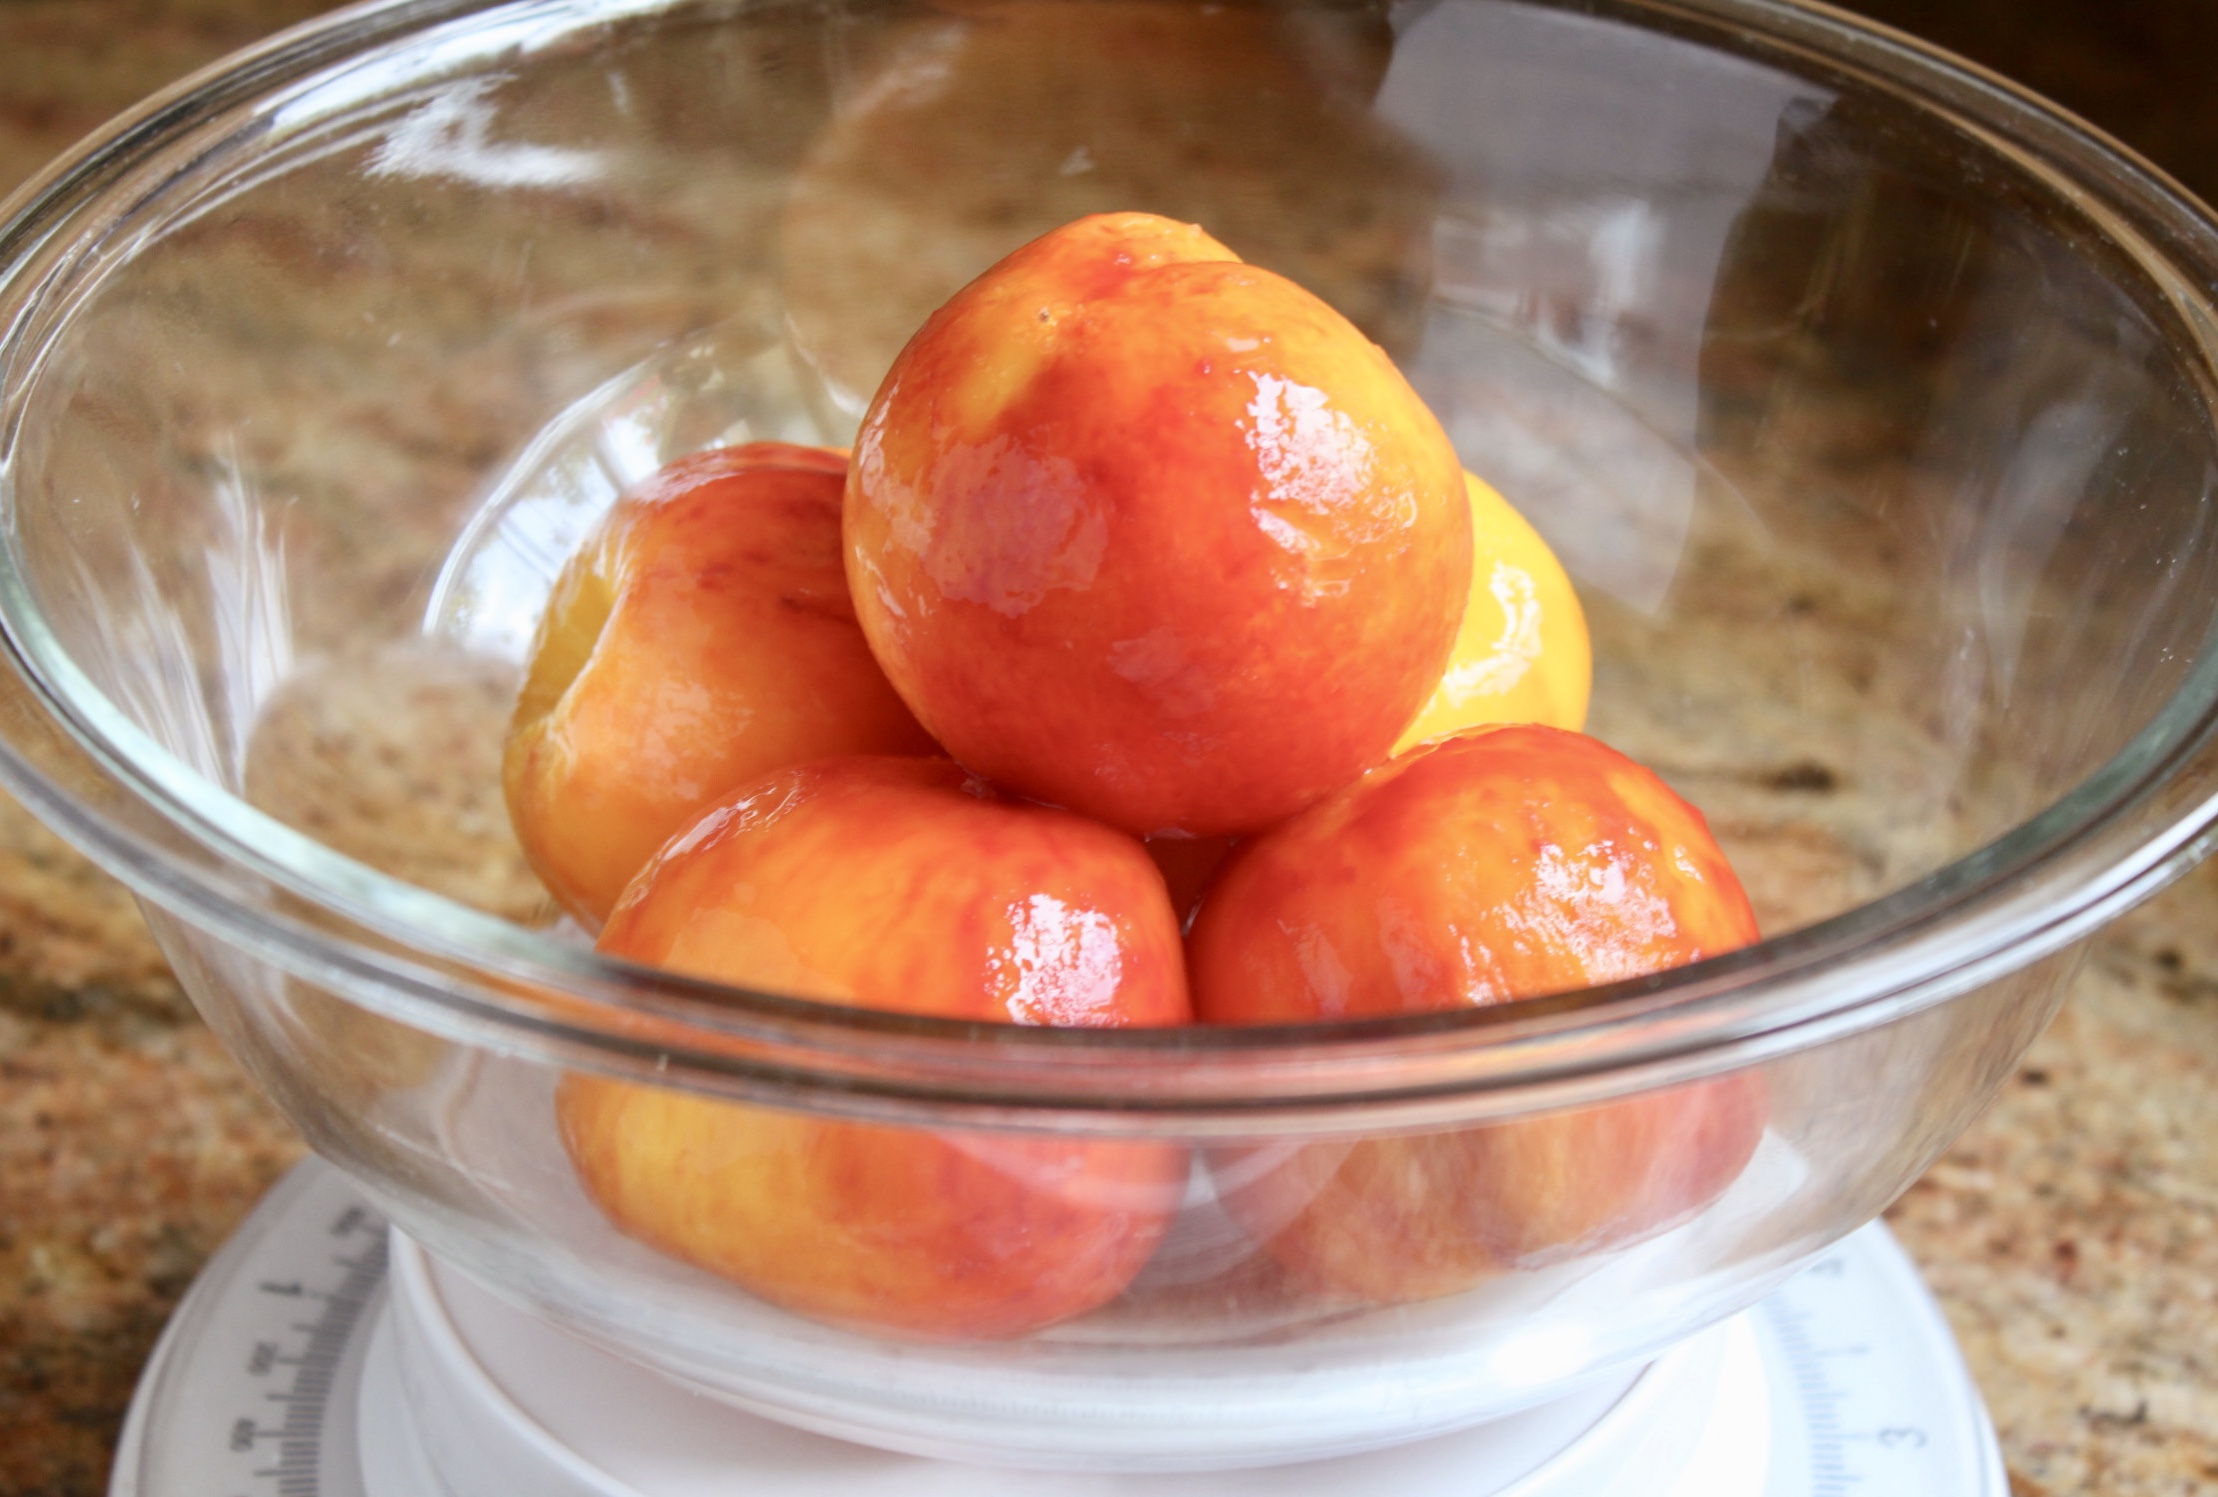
x,y
1497,864
896,884
1147,532
1522,655
702,636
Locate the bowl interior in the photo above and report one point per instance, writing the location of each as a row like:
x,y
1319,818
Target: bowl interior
x,y
1880,450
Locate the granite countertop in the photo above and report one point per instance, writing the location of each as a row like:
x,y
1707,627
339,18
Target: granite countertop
x,y
2072,1234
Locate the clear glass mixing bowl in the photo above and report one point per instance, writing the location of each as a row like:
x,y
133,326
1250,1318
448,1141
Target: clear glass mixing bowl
x,y
1868,400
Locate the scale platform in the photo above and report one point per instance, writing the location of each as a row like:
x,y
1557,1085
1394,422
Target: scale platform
x,y
322,1355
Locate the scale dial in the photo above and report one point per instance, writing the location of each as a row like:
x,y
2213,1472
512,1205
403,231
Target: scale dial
x,y
278,1377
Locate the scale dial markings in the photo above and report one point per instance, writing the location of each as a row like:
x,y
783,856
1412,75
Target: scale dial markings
x,y
321,1353
1889,1413
251,1390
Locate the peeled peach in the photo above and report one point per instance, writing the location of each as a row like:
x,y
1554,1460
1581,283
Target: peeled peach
x,y
895,884
1522,655
1499,864
701,637
1144,531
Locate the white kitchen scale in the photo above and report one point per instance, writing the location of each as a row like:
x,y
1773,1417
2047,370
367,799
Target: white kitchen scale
x,y
322,1355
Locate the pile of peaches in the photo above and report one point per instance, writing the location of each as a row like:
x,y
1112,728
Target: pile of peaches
x,y
1150,661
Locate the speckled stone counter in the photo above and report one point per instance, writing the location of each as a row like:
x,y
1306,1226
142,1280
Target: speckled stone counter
x,y
2072,1234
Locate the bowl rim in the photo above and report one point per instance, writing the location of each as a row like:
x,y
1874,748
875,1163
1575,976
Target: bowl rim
x,y
206,857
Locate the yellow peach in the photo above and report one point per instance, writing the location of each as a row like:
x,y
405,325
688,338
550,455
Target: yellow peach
x,y
701,637
1522,655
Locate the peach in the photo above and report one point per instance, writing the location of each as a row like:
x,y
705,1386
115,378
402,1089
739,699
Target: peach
x,y
1390,1220
1498,864
1522,655
702,636
1141,530
901,884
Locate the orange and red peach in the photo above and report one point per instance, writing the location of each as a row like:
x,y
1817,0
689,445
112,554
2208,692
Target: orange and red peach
x,y
700,637
1494,865
897,884
1141,530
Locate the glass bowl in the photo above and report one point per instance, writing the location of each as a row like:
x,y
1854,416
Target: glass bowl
x,y
1868,400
